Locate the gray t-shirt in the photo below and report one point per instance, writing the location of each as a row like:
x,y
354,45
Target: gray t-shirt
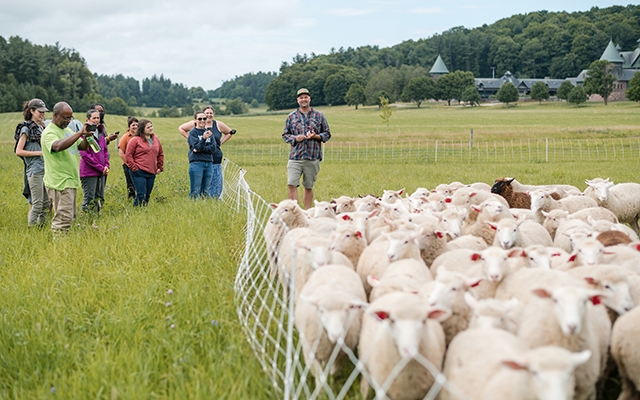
x,y
35,164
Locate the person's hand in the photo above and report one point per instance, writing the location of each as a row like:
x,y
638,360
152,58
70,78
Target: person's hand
x,y
207,134
300,138
105,171
112,137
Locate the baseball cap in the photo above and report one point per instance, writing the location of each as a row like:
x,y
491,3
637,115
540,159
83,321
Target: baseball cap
x,y
38,105
303,91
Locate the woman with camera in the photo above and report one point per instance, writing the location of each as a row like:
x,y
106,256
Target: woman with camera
x,y
145,158
221,133
201,150
94,164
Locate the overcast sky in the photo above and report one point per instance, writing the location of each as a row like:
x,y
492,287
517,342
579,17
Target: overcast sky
x,y
203,43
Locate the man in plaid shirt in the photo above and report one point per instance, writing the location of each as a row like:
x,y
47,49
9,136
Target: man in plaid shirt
x,y
305,130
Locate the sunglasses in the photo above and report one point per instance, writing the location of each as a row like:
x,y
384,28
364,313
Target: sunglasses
x,y
201,119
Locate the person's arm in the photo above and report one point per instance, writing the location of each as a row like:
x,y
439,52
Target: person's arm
x,y
63,144
160,157
185,128
324,134
21,152
121,152
131,148
289,135
225,130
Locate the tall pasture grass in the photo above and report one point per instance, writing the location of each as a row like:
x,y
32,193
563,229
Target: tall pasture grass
x,y
138,303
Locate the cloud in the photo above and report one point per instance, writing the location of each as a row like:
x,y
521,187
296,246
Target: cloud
x,y
350,12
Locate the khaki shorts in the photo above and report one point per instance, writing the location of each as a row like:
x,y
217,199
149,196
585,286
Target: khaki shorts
x,y
308,169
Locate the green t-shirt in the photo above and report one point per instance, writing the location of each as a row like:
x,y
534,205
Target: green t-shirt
x,y
61,168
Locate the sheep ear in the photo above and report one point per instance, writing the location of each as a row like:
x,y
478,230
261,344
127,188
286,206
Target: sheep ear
x,y
596,297
476,208
511,180
373,213
439,314
273,205
591,281
545,214
346,218
401,191
473,282
515,365
517,252
476,257
581,357
373,281
542,293
493,225
573,257
359,234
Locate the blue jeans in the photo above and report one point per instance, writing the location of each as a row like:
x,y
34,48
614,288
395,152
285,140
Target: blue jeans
x,y
143,182
200,173
215,189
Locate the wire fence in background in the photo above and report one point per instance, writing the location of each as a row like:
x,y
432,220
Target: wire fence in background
x,y
446,151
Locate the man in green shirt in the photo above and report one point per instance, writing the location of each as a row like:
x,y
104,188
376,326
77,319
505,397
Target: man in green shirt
x,y
62,165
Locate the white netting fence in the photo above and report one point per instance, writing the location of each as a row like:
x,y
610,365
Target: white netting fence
x,y
266,315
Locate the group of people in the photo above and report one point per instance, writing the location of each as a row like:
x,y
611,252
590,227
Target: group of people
x,y
63,154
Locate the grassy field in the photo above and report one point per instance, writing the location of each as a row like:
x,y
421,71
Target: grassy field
x,y
138,303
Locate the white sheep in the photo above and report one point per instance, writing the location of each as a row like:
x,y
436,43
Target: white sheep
x,y
366,203
400,276
451,222
391,196
597,213
361,220
553,219
328,317
512,233
285,216
482,363
492,313
622,199
544,257
322,209
564,316
566,189
377,256
568,228
610,280
625,349
489,210
541,200
399,328
348,240
447,290
305,251
547,372
344,204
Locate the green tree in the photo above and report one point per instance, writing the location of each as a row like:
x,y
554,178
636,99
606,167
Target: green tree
x,y
236,106
117,106
385,111
507,93
355,95
451,86
563,91
188,110
599,80
336,86
419,90
539,91
577,96
471,96
254,103
633,93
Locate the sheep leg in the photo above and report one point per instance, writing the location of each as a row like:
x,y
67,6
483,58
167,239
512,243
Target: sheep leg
x,y
634,224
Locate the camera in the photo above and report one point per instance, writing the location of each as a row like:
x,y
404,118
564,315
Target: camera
x,y
208,129
232,132
92,128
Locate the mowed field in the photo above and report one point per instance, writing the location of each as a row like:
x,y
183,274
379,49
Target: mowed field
x,y
139,303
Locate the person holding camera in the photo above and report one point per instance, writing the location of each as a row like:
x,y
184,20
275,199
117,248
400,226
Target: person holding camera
x,y
132,123
61,165
221,133
145,159
94,164
202,147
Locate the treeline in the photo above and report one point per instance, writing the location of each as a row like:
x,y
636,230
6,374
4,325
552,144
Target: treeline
x,y
533,45
53,73
248,87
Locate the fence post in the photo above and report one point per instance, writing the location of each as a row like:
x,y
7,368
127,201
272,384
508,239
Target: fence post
x,y
471,139
547,149
436,159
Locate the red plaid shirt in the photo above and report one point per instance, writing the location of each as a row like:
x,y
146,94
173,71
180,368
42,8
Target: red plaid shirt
x,y
299,124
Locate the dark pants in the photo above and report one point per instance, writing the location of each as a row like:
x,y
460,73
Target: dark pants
x,y
93,192
143,182
131,190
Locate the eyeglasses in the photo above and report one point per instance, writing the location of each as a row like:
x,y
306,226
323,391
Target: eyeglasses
x,y
201,119
69,118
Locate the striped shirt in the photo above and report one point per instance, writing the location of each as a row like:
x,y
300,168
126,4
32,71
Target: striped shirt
x,y
299,124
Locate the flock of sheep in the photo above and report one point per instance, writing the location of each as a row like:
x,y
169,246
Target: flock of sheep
x,y
511,291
